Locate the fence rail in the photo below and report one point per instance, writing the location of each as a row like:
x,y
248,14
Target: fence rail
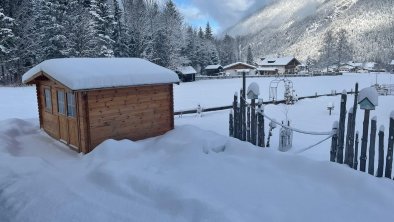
x,y
200,77
219,108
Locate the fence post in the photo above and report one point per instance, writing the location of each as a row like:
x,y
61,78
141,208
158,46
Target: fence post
x,y
260,117
235,107
242,124
341,129
253,125
231,124
348,149
364,141
244,108
355,162
248,132
371,156
334,141
389,158
381,152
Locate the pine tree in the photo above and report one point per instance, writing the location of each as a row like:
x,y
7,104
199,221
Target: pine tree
x,y
208,32
103,28
7,42
120,46
50,23
80,33
327,51
201,34
228,50
343,47
250,59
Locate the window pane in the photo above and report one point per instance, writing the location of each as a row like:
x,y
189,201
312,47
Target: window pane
x,y
60,102
48,101
71,111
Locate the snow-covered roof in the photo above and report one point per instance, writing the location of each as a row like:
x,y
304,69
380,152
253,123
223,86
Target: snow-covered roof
x,y
369,65
213,67
186,70
95,73
239,63
355,64
369,93
276,61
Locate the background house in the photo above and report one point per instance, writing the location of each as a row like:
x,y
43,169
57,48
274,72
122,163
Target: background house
x,y
283,65
186,73
238,68
213,70
83,101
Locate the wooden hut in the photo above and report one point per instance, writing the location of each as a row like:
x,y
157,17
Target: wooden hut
x,y
238,68
186,73
85,101
213,70
283,65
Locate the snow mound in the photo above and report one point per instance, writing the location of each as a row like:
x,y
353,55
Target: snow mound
x,y
171,178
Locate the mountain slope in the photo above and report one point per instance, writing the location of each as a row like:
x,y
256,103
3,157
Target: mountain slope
x,y
297,27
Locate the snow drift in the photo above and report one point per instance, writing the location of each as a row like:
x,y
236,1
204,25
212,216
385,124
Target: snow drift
x,y
187,174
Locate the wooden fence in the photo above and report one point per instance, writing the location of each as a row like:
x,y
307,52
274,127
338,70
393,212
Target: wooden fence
x,y
203,77
345,150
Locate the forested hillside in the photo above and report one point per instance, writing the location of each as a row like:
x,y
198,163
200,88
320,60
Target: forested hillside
x,y
299,27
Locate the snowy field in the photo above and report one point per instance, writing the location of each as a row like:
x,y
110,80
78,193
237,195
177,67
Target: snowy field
x,y
195,172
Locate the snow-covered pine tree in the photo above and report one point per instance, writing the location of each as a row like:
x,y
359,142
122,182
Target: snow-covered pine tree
x,y
201,34
227,50
208,32
51,29
249,57
80,35
7,43
344,50
327,50
152,26
120,46
173,23
103,28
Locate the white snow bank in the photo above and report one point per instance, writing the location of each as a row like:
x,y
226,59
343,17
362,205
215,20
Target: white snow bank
x,y
172,178
93,73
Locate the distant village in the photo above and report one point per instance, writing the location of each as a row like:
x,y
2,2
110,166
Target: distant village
x,y
273,66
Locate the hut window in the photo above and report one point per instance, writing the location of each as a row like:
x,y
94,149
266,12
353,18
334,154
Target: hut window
x,y
71,111
48,99
60,102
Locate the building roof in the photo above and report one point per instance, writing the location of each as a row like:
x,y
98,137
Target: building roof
x,y
355,64
239,63
369,65
186,70
283,61
95,73
213,67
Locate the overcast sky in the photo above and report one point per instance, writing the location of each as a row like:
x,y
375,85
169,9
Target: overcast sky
x,y
220,13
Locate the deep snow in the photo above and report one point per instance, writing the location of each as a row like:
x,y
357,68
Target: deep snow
x,y
195,172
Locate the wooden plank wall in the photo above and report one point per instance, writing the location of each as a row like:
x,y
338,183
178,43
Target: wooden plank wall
x,y
133,113
50,120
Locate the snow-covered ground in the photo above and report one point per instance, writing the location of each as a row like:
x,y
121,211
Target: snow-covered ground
x,y
193,173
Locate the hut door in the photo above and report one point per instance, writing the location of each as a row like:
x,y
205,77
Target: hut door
x,y
61,110
72,121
